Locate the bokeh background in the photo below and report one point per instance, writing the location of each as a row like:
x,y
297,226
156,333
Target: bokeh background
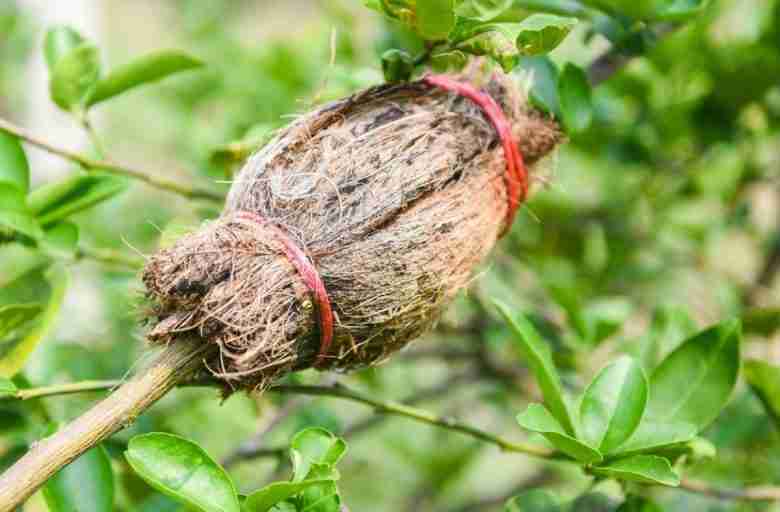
x,y
660,219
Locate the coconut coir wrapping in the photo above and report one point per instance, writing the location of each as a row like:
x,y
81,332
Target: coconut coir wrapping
x,y
395,194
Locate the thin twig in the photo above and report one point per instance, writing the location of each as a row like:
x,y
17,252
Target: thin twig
x,y
86,123
182,189
757,493
398,409
65,389
109,257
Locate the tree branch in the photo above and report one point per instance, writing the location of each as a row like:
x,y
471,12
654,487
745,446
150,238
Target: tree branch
x,y
176,363
182,189
109,257
420,415
757,493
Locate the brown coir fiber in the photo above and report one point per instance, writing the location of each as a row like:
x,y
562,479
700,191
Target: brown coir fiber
x,y
396,194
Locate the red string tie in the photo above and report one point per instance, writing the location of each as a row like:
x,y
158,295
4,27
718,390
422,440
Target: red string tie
x,y
516,176
311,278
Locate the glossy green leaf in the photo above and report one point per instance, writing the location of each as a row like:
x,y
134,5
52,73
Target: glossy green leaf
x,y
537,355
613,404
84,485
695,381
14,169
314,446
634,503
482,10
646,469
574,94
654,436
15,216
15,351
56,201
264,499
397,66
652,10
544,86
14,316
435,18
536,500
182,470
73,77
764,380
61,238
7,387
448,61
142,71
59,42
542,33
323,497
538,419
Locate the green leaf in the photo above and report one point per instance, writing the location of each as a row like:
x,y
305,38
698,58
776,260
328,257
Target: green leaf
x,y
634,503
323,497
15,351
544,88
59,42
537,355
15,216
574,94
613,404
56,201
142,71
764,380
536,500
696,380
73,77
482,10
264,499
761,321
448,61
435,18
507,42
314,446
14,169
84,485
541,33
655,436
397,65
652,10
14,316
7,387
61,238
538,419
646,469
182,470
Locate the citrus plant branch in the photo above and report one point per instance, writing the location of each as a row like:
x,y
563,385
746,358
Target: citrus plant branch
x,y
389,407
182,189
176,363
109,257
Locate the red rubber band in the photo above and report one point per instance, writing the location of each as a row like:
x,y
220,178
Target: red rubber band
x,y
311,278
516,173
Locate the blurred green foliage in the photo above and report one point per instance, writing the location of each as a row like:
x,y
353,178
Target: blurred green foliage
x,y
657,219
